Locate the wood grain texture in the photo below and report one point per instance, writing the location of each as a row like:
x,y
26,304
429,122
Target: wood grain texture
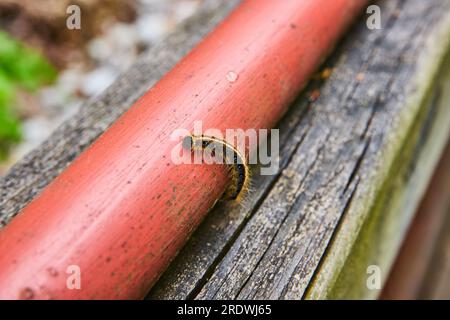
x,y
359,155
336,156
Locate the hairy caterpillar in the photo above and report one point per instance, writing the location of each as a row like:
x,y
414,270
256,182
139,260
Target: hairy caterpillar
x,y
238,167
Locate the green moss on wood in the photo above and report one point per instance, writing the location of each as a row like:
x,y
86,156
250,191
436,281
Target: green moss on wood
x,y
373,228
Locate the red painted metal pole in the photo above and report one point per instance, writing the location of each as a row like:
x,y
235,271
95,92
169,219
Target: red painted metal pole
x,y
122,210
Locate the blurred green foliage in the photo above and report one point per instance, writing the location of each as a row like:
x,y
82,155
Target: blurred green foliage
x,y
20,67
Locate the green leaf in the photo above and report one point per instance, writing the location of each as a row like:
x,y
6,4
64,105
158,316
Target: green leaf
x,y
20,66
23,65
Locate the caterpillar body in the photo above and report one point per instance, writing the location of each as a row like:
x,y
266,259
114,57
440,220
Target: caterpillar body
x,y
238,167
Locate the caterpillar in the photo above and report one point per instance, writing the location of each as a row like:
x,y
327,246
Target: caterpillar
x,y
238,167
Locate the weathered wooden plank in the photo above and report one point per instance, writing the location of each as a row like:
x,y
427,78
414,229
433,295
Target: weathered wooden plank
x,y
33,173
413,162
342,153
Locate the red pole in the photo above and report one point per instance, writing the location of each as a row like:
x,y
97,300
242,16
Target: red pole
x,y
122,210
